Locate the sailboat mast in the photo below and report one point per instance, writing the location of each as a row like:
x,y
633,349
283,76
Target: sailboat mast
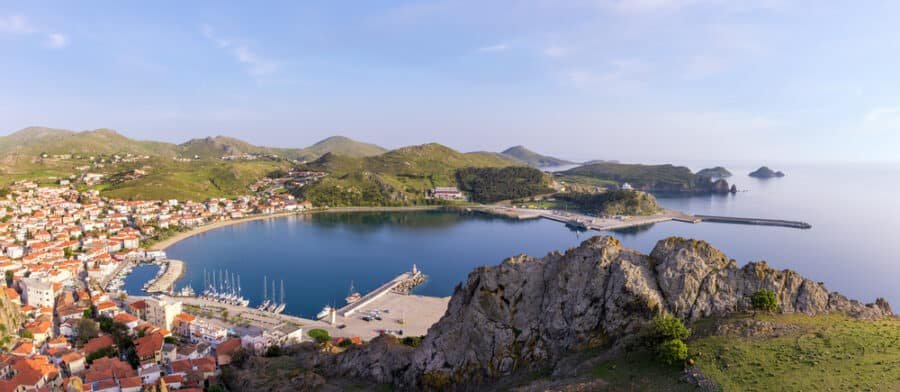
x,y
265,290
282,291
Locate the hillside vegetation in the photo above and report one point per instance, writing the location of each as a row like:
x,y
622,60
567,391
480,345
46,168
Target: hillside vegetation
x,y
618,202
491,184
397,177
663,178
192,170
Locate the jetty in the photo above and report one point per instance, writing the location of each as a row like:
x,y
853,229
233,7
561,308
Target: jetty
x,y
401,284
588,222
754,221
165,282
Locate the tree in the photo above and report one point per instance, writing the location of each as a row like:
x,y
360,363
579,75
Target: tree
x,y
319,335
274,351
101,353
9,278
87,330
215,388
87,313
27,334
764,300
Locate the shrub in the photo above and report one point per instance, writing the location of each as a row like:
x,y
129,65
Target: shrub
x,y
764,300
672,351
668,328
412,341
319,335
345,343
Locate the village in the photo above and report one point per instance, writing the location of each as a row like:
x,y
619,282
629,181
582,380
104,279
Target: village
x,y
64,331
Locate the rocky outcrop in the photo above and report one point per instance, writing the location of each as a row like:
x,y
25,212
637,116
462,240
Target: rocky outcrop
x,y
765,172
527,313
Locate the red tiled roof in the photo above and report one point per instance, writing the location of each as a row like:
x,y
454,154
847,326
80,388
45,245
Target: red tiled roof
x,y
98,343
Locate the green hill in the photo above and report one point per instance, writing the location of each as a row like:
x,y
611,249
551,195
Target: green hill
x,y
397,177
660,178
534,159
344,146
48,154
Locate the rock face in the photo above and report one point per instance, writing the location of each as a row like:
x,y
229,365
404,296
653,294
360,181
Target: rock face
x,y
765,172
526,313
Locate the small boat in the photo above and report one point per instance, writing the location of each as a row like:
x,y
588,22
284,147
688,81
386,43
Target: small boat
x,y
264,305
280,308
354,296
326,311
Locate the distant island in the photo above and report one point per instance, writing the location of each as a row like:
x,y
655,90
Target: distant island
x,y
765,172
715,172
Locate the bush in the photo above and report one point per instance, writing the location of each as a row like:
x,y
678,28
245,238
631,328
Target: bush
x,y
321,336
412,341
764,300
668,328
672,351
101,353
345,343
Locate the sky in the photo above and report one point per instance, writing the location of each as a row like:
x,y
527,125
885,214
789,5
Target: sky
x,y
638,81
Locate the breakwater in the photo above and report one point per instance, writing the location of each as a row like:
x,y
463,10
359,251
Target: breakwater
x,y
754,221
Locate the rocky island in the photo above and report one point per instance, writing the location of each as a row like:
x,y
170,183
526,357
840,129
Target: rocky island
x,y
548,323
765,172
715,172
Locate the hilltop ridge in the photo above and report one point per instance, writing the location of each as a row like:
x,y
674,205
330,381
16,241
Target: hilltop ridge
x,y
534,159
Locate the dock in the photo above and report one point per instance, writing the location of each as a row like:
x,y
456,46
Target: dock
x,y
588,222
754,221
164,283
404,281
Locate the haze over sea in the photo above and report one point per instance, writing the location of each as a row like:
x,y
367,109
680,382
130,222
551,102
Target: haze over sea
x,y
852,246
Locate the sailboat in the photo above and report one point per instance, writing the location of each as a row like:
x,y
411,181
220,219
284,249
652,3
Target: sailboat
x,y
266,301
354,296
280,307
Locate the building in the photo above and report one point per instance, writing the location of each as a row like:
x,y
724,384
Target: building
x,y
447,193
161,311
38,293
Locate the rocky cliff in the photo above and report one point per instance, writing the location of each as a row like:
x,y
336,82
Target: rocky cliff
x,y
526,313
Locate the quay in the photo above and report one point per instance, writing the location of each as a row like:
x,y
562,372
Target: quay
x,y
755,221
587,222
165,283
407,279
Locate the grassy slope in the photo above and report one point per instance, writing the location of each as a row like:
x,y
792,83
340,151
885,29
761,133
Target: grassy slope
x,y
196,180
826,352
829,352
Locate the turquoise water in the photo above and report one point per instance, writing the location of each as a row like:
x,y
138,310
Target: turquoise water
x,y
852,245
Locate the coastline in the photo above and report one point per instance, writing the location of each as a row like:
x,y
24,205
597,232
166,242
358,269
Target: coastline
x,y
168,242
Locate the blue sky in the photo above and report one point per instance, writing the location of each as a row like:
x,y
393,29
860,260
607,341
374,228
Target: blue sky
x,y
643,80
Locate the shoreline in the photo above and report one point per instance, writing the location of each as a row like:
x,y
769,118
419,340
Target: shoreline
x,y
168,242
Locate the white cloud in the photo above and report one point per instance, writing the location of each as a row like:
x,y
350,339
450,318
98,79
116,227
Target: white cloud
x,y
56,40
257,65
494,48
19,25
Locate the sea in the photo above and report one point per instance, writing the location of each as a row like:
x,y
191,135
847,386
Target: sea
x,y
853,245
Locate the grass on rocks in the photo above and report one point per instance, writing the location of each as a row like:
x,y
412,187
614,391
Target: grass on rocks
x,y
824,353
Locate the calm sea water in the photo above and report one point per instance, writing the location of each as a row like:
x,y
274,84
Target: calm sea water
x,y
853,245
